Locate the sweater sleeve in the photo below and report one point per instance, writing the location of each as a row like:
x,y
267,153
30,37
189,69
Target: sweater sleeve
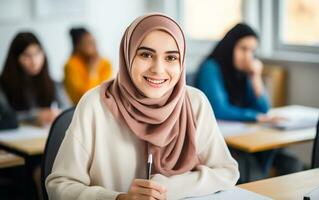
x,y
210,81
217,171
70,177
261,103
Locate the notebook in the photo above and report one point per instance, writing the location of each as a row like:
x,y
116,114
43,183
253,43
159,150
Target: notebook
x,y
312,195
294,124
231,194
295,117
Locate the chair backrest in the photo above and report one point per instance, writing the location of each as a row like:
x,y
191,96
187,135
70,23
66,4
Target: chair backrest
x,y
55,138
191,79
315,150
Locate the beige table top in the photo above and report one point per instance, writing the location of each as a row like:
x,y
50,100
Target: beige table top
x,y
289,187
262,138
27,139
9,160
267,139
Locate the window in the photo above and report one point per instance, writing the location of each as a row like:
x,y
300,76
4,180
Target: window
x,y
299,24
210,19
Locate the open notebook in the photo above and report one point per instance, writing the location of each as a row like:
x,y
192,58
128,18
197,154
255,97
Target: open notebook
x,y
296,117
231,194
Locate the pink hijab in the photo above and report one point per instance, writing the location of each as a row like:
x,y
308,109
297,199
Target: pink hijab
x,y
167,123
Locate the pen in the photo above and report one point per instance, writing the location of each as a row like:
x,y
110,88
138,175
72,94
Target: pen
x,y
149,166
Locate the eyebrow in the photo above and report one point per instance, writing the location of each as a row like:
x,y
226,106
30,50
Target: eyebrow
x,y
153,50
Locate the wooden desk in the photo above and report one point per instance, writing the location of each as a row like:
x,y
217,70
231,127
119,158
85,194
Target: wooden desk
x,y
27,140
288,187
266,139
30,147
10,160
259,138
263,138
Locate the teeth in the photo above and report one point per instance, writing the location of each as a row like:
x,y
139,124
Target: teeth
x,y
155,81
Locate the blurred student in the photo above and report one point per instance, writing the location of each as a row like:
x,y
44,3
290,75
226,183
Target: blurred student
x,y
85,68
26,82
28,87
231,78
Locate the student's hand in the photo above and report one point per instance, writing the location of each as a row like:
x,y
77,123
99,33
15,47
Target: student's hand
x,y
262,118
255,67
144,189
46,116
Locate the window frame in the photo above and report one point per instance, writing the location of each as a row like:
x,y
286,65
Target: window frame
x,y
261,15
279,44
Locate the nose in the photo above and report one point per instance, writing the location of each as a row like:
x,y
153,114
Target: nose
x,y
158,66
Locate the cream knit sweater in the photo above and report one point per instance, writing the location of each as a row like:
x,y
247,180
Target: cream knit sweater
x,y
99,158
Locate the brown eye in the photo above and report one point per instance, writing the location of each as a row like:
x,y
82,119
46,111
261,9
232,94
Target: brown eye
x,y
146,55
171,58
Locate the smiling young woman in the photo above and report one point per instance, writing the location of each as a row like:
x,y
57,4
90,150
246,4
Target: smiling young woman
x,y
156,67
146,109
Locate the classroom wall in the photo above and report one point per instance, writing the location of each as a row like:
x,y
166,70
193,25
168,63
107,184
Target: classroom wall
x,y
107,20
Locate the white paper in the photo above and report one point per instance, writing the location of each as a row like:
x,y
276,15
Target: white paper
x,y
295,117
295,112
24,132
235,193
231,128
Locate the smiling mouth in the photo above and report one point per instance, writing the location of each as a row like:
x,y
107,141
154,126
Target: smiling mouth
x,y
155,82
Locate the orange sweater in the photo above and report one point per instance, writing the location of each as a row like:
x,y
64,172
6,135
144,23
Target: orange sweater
x,y
77,79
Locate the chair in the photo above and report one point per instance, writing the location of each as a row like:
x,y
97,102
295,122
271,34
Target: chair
x,y
315,151
191,79
55,138
275,78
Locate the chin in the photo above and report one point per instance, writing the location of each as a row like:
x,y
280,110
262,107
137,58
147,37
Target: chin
x,y
154,95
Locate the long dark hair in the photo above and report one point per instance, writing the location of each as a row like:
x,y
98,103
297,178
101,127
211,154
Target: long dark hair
x,y
235,81
20,87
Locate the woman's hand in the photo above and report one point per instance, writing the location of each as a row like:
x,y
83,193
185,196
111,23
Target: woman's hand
x,y
255,68
144,189
263,118
46,116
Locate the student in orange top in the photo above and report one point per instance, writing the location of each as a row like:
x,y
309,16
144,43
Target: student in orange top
x,y
85,68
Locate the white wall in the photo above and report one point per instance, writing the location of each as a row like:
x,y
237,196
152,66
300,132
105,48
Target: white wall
x,y
106,19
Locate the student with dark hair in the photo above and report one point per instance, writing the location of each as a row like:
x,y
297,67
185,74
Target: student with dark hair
x,y
231,78
85,68
26,82
28,87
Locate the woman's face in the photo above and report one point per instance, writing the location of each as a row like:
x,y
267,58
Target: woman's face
x,y
32,59
244,52
156,66
87,45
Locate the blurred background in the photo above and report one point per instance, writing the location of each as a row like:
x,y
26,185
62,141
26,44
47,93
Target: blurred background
x,y
288,30
288,33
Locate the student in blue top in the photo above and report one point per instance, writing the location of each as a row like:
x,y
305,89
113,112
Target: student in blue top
x,y
231,79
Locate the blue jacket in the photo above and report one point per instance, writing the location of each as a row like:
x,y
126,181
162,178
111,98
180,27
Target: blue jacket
x,y
210,81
